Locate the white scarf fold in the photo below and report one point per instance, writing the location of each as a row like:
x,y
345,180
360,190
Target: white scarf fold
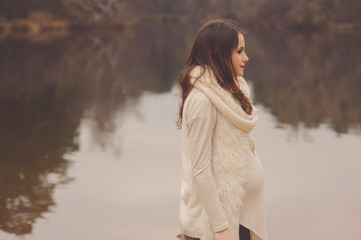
x,y
223,100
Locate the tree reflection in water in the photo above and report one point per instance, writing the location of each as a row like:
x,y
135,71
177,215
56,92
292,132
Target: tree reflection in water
x,y
47,88
310,78
37,131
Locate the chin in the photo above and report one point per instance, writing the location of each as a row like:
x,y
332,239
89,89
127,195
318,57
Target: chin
x,y
240,74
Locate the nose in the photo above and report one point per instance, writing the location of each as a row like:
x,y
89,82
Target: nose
x,y
245,58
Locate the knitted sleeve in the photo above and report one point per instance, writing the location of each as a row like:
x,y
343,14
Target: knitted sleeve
x,y
201,120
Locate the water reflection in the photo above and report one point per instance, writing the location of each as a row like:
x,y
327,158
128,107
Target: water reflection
x,y
47,88
33,143
309,78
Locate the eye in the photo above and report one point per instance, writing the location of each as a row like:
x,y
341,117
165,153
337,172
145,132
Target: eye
x,y
240,50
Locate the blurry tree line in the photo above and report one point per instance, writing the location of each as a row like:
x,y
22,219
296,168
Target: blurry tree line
x,y
46,89
307,77
265,13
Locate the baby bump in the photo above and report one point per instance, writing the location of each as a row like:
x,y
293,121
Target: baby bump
x,y
255,174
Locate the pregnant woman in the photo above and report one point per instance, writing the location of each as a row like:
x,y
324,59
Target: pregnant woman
x,y
222,178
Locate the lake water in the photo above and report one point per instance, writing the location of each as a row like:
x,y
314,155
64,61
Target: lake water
x,y
89,149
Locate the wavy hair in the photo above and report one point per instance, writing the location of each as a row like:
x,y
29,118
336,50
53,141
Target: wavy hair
x,y
212,48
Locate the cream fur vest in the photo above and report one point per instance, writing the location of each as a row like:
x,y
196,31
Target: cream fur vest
x,y
231,146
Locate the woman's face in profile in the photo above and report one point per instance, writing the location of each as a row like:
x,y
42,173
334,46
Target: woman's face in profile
x,y
239,57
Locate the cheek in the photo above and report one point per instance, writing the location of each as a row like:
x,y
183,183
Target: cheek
x,y
235,59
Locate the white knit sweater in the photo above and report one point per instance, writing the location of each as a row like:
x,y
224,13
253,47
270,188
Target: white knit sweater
x,y
230,158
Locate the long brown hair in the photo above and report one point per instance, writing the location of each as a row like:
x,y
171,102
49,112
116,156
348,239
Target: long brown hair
x,y
213,48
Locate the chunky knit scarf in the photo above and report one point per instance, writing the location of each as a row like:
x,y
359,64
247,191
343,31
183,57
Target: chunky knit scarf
x,y
223,100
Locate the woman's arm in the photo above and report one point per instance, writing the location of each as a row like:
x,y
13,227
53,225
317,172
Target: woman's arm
x,y
201,120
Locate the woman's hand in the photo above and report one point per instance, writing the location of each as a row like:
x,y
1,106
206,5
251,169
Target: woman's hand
x,y
223,235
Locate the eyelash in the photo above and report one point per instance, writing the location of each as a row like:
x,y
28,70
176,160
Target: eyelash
x,y
240,51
